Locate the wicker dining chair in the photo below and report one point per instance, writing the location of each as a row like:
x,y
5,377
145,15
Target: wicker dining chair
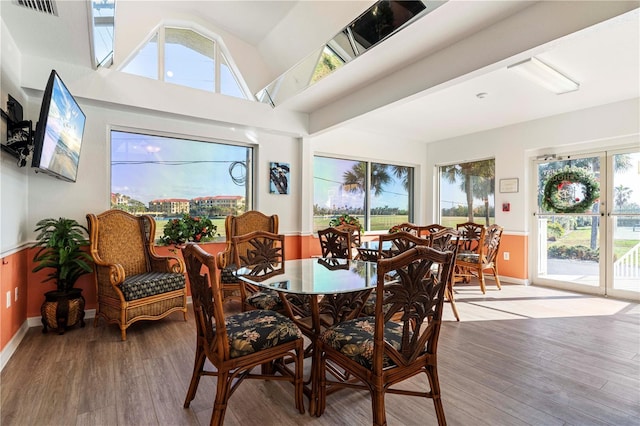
x,y
261,255
379,352
479,255
236,344
447,240
401,241
133,282
234,226
436,227
335,243
412,228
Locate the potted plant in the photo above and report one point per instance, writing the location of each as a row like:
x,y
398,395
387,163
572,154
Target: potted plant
x,y
346,219
188,228
60,248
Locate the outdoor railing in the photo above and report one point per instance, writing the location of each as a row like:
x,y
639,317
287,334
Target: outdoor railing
x,y
628,266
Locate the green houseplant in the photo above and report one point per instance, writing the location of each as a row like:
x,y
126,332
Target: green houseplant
x,y
188,228
60,248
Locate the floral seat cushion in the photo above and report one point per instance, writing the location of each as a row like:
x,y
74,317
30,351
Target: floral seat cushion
x,y
354,339
257,330
266,299
151,283
468,256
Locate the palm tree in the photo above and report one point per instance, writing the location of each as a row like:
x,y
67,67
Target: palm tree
x,y
622,195
467,174
402,173
354,180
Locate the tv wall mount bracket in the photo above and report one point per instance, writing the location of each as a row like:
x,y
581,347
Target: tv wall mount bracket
x,y
19,132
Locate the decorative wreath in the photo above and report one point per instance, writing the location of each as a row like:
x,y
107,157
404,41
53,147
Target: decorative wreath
x,y
558,201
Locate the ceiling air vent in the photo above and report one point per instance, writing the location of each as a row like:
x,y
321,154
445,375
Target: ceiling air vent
x,y
45,6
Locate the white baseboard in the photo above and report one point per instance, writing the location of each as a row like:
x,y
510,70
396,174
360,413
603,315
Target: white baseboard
x,y
13,344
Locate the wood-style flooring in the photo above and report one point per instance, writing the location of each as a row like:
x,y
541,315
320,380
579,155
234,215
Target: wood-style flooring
x,y
520,356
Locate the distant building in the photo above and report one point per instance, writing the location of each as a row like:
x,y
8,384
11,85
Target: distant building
x,y
227,204
170,206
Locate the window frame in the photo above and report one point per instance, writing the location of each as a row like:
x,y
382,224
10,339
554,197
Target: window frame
x,y
438,192
222,54
250,185
367,196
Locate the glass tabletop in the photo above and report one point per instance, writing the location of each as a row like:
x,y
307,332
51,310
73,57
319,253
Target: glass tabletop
x,y
373,245
320,276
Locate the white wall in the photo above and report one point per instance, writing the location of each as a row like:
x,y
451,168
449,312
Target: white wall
x,y
49,197
13,180
515,147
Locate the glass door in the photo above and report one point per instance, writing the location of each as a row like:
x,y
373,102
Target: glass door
x,y
569,223
588,223
624,221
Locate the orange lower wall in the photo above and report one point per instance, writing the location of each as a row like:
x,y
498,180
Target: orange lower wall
x,y
15,271
518,264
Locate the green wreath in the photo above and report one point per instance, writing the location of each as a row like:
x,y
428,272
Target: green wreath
x,y
551,199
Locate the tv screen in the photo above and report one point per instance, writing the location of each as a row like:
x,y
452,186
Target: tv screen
x,y
58,135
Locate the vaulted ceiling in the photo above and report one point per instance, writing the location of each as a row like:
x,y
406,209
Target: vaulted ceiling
x,y
421,84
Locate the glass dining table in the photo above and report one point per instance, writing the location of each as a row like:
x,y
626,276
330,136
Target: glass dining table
x,y
318,293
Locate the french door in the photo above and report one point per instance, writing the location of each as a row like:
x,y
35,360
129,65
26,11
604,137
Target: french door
x,y
588,223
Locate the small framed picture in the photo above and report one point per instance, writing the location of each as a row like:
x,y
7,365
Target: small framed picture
x,y
509,185
279,178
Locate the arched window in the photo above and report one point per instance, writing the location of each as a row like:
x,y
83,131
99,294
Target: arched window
x,y
186,57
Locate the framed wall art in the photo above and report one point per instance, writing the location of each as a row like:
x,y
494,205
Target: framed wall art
x,y
279,178
509,185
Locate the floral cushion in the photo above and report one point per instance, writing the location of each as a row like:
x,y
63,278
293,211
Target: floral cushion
x,y
150,284
468,256
265,299
354,339
257,330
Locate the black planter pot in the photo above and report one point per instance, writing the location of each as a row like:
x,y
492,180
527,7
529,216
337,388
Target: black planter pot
x,y
62,310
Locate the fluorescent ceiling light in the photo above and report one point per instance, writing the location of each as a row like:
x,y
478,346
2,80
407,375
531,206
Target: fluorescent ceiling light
x,y
542,74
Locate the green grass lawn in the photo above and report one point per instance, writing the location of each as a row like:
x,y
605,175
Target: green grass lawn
x,y
582,237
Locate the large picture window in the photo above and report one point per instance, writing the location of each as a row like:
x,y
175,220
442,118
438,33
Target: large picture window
x,y
378,194
168,177
467,192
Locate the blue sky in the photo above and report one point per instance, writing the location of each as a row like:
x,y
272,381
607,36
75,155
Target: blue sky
x,y
166,168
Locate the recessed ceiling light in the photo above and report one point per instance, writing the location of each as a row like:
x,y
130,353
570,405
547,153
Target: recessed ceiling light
x,y
482,95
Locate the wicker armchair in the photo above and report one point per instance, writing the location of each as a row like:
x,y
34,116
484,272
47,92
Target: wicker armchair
x,y
133,282
235,226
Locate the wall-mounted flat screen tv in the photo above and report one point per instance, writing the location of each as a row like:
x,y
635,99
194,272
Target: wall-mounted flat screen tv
x,y
58,136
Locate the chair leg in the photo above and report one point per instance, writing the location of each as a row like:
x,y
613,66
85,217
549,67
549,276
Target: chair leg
x,y
222,397
495,274
377,403
299,385
481,279
453,302
432,374
198,366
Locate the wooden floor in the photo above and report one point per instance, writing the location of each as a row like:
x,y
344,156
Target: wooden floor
x,y
520,356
